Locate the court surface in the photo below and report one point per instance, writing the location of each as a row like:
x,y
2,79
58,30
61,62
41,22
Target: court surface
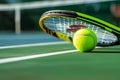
x,y
32,57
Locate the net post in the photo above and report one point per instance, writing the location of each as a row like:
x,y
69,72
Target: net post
x,y
17,20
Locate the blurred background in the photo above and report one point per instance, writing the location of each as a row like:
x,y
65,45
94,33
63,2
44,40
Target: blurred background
x,y
19,16
22,17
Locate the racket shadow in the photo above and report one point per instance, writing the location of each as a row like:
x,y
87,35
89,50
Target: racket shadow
x,y
107,50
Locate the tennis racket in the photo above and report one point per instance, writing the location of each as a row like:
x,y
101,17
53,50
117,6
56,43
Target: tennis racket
x,y
63,24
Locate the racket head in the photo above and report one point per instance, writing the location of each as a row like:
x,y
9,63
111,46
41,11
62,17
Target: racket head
x,y
63,24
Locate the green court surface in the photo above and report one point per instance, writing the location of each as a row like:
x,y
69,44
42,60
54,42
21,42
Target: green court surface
x,y
100,64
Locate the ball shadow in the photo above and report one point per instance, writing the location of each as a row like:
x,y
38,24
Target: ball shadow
x,y
106,50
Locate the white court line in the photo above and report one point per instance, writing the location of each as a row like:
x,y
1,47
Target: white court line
x,y
14,59
36,44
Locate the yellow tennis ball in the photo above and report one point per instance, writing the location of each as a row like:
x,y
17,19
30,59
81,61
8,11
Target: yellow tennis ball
x,y
84,40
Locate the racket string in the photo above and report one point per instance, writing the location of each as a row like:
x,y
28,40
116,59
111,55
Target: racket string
x,y
63,25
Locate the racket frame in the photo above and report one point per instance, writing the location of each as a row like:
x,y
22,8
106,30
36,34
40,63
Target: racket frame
x,y
76,15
